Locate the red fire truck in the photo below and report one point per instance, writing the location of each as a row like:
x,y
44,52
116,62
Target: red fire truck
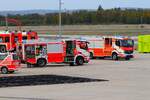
x,y
8,39
111,46
41,53
9,62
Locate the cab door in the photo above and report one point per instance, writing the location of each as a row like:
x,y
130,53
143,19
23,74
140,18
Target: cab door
x,y
30,54
108,47
70,50
70,46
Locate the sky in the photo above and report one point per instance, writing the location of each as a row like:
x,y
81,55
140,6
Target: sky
x,y
70,4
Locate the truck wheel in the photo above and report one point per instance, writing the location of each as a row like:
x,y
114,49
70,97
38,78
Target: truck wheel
x,y
2,49
11,72
72,64
79,61
4,70
41,62
114,56
127,58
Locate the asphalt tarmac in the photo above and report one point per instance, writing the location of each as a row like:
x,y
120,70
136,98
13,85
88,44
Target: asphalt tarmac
x,y
126,80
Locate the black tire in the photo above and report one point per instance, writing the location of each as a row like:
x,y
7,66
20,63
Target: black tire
x,y
79,61
127,58
114,56
4,70
41,63
91,55
72,64
11,72
2,49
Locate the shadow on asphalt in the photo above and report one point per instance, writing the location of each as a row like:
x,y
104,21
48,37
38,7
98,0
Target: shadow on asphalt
x,y
22,98
32,80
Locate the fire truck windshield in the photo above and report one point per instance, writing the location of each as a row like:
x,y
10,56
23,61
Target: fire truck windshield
x,y
84,45
127,43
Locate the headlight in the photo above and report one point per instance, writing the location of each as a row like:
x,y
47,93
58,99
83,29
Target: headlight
x,y
121,51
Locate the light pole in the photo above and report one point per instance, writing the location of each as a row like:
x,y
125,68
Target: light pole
x,y
6,22
60,23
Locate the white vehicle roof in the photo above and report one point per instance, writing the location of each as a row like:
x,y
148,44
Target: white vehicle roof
x,y
90,38
75,39
39,41
4,32
117,37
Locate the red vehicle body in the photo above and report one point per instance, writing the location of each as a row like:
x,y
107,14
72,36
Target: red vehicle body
x,y
8,40
41,53
111,46
9,62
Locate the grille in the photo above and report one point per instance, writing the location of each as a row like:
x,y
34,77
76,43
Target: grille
x,y
128,52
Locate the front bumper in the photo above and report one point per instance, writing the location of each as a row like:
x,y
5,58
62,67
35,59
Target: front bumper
x,y
126,55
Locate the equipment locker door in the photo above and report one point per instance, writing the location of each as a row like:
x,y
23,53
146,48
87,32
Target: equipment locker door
x,y
55,53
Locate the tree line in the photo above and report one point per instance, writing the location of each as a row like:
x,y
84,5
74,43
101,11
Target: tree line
x,y
89,17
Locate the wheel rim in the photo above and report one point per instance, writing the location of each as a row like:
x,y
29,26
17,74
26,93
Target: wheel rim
x,y
114,56
41,63
2,49
80,61
4,70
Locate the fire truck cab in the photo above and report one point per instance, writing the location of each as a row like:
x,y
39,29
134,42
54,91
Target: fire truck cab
x,y
114,47
8,40
77,52
41,53
9,62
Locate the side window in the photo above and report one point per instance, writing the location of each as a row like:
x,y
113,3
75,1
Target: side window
x,y
117,43
30,51
41,50
2,57
7,39
1,39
